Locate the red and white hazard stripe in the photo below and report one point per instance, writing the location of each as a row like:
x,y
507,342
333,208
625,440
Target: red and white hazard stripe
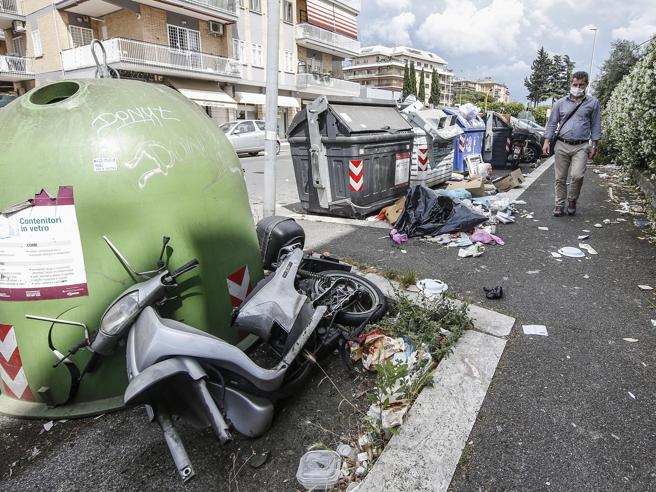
x,y
422,159
356,175
12,373
507,145
239,285
461,143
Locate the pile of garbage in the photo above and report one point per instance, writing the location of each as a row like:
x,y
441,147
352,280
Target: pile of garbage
x,y
452,218
406,370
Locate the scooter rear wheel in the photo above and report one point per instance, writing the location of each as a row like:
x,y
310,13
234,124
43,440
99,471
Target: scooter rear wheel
x,y
371,305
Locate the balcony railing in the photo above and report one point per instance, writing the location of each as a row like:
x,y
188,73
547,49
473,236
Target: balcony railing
x,y
159,57
15,67
333,41
352,4
10,7
305,81
226,7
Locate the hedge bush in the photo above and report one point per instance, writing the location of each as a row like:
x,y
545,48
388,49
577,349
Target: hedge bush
x,y
629,118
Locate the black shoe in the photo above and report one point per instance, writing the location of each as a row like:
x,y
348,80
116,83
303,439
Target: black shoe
x,y
558,211
571,207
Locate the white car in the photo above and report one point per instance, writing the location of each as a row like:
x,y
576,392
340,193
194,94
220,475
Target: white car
x,y
247,136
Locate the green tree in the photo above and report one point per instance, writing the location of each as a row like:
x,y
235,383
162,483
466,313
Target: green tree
x,y
623,56
422,87
540,114
462,96
434,98
558,83
569,70
406,81
513,108
413,79
539,82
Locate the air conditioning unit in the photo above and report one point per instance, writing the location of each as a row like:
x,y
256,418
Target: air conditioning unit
x,y
18,27
216,28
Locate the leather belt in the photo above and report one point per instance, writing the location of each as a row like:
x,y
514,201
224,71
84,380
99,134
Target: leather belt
x,y
572,142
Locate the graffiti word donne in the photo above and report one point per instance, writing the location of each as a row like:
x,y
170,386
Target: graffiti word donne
x,y
155,116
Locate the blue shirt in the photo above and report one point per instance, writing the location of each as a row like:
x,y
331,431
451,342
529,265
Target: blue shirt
x,y
584,125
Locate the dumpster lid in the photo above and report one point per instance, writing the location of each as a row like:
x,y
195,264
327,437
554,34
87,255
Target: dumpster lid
x,y
366,118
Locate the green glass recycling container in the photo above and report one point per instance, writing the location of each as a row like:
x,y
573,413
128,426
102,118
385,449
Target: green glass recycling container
x,y
132,161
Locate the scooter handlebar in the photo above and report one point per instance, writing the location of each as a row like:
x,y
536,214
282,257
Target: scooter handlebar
x,y
185,268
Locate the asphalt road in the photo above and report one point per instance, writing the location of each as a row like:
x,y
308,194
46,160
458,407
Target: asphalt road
x,y
575,410
286,192
571,411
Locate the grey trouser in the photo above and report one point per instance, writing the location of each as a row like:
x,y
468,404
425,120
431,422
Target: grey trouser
x,y
570,159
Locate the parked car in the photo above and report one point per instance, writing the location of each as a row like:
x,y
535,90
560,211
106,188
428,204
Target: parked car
x,y
247,136
531,135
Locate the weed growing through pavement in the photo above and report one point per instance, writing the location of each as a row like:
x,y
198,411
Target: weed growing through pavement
x,y
437,323
405,278
434,325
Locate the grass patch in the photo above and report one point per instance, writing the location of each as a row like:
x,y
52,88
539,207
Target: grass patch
x,y
405,278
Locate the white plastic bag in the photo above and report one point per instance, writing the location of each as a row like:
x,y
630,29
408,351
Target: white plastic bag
x,y
468,111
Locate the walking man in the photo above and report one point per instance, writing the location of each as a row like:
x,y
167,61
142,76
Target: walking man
x,y
575,120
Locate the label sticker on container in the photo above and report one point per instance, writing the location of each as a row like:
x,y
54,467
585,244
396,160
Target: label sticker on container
x,y
104,164
40,250
402,174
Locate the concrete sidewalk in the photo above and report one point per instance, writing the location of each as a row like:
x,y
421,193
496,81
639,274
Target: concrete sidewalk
x,y
574,410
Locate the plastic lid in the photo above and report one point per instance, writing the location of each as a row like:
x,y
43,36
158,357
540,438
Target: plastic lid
x,y
432,287
319,470
571,252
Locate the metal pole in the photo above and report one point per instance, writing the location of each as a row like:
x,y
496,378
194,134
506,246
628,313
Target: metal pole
x,y
271,107
594,42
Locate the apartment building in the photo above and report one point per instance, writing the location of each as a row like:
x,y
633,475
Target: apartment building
x,y
212,51
382,67
498,91
15,67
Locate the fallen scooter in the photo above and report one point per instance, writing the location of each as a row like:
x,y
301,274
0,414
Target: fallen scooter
x,y
177,370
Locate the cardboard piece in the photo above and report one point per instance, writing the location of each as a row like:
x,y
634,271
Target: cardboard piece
x,y
393,212
475,186
510,181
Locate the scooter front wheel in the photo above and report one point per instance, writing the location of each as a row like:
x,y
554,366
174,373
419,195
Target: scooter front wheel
x,y
370,305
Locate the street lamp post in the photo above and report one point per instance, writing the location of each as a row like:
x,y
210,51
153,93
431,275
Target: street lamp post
x,y
594,42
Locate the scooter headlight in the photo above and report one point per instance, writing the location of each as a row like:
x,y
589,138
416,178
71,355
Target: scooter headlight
x,y
119,314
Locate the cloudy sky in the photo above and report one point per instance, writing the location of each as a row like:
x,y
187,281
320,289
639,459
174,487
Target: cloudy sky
x,y
499,38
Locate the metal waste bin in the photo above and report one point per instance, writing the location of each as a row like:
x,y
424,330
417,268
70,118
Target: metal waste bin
x,y
498,139
351,156
433,149
470,142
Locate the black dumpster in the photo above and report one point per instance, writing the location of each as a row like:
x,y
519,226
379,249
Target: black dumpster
x,y
351,156
500,149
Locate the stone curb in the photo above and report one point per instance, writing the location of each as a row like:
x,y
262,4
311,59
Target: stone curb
x,y
646,185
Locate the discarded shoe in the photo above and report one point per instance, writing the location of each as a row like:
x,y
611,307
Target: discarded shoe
x,y
571,207
494,293
558,211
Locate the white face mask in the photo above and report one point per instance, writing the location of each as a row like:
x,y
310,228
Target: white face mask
x,y
576,91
